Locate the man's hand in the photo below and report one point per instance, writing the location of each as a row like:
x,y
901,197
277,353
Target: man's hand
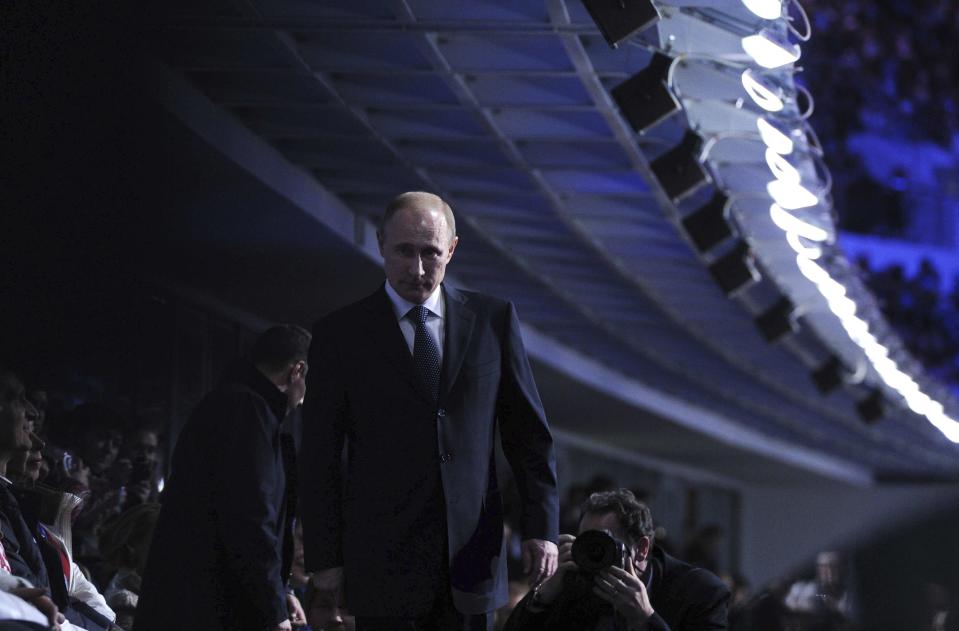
x,y
626,593
549,590
37,596
328,593
297,617
283,626
539,559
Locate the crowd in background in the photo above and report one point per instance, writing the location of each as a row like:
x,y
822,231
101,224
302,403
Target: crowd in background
x,y
114,469
96,478
884,68
924,311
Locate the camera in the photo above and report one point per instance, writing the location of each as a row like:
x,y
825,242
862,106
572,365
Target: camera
x,y
593,551
596,550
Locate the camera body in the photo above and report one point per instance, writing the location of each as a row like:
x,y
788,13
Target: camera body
x,y
593,551
596,550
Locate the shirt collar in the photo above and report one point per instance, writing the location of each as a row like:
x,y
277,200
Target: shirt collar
x,y
401,306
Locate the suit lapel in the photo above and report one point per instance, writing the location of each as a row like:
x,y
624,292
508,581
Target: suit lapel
x,y
459,327
389,339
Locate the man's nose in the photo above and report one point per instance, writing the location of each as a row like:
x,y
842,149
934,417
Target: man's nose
x,y
416,266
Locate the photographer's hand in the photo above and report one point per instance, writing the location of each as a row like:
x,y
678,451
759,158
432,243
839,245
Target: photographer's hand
x,y
626,593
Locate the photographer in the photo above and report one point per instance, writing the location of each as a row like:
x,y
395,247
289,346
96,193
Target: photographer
x,y
612,577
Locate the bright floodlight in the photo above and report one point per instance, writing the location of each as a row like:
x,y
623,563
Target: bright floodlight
x,y
762,94
774,138
810,252
769,51
788,222
766,9
781,169
791,196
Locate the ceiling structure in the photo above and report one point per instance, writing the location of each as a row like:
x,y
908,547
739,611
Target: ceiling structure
x,y
503,108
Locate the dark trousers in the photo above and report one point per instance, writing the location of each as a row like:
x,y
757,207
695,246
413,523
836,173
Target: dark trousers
x,y
442,617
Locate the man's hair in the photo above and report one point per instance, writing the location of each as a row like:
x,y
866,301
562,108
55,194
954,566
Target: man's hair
x,y
405,200
279,346
635,516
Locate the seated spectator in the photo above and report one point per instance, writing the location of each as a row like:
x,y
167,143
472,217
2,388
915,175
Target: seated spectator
x,y
641,587
23,572
826,596
42,509
137,467
125,543
93,432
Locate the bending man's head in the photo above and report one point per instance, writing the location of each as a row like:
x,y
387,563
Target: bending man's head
x,y
417,237
280,353
628,519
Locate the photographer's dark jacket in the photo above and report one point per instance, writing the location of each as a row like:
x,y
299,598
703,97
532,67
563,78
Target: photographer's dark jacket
x,y
684,597
217,560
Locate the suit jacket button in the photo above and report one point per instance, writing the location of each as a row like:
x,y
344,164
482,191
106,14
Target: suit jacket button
x,y
445,458
441,413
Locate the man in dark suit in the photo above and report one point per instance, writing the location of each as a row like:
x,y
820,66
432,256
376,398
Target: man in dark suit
x,y
654,592
217,559
414,380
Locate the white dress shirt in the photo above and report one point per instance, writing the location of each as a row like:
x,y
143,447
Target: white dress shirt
x,y
435,320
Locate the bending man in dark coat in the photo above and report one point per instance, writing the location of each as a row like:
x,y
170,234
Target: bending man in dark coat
x,y
414,380
655,592
217,560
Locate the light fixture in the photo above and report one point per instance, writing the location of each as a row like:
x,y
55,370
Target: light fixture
x,y
707,226
789,223
777,321
763,93
765,9
619,19
781,168
791,196
774,137
871,408
735,270
680,171
829,376
769,50
644,99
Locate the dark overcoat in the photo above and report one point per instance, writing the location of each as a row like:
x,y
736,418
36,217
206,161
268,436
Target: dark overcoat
x,y
217,562
684,597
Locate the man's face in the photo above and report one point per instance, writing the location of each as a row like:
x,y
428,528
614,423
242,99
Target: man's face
x,y
416,246
100,448
16,415
143,446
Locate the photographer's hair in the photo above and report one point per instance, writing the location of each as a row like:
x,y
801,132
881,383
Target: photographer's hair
x,y
635,516
404,200
279,346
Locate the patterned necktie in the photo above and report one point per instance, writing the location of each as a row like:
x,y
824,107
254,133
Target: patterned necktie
x,y
426,355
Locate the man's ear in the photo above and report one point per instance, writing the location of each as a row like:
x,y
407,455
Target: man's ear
x,y
297,370
379,242
449,254
643,548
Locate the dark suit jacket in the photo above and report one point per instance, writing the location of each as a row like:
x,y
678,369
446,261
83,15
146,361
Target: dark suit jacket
x,y
684,597
416,507
216,558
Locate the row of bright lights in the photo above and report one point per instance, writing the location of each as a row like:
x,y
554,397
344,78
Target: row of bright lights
x,y
788,194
